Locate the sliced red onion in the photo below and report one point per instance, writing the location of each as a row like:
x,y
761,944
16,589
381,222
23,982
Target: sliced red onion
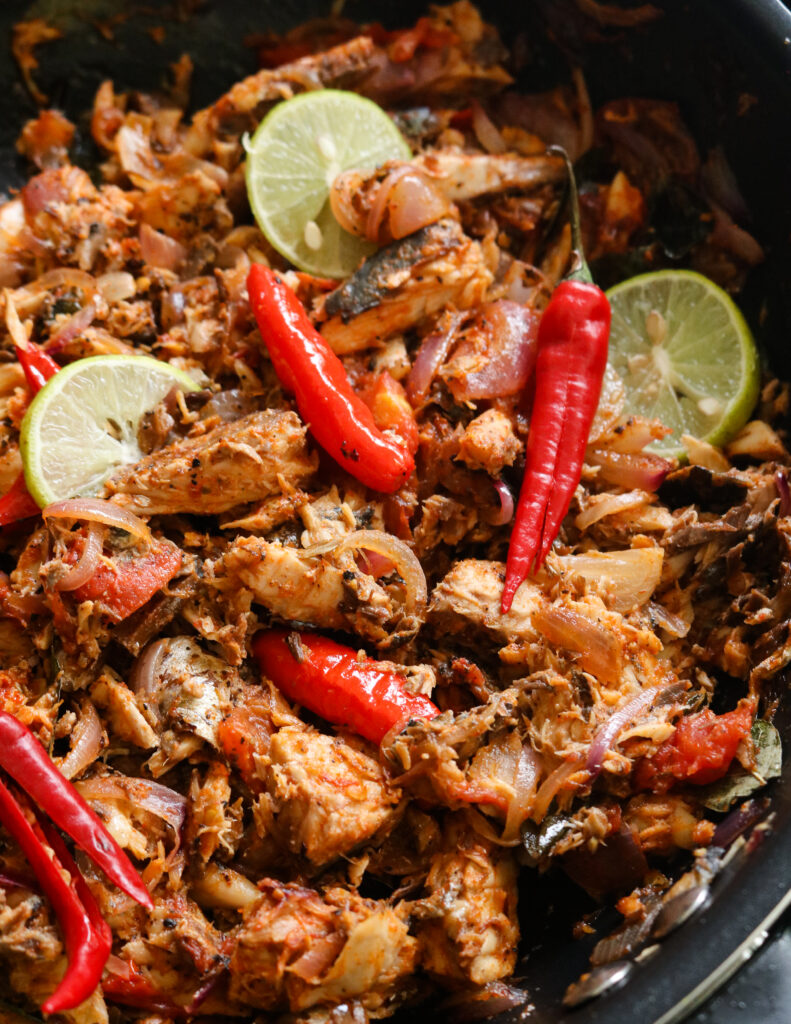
x,y
606,735
504,368
616,865
73,328
205,990
738,821
599,650
525,783
96,510
144,678
159,250
672,624
430,356
13,881
86,742
486,131
506,513
552,785
608,504
379,204
88,562
28,297
646,471
414,202
783,493
153,797
397,552
117,286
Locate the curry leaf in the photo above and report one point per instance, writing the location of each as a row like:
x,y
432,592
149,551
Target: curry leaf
x,y
538,842
738,783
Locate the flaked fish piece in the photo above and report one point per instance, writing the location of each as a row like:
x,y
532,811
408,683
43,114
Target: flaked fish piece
x,y
403,284
469,596
475,934
184,694
317,589
368,202
243,106
297,947
233,464
329,797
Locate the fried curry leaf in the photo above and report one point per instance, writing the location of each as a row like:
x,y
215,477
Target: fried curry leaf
x,y
737,784
539,842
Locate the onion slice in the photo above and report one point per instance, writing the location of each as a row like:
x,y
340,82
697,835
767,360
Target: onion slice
x,y
506,512
630,576
86,742
646,471
607,734
552,785
96,510
598,648
72,329
607,504
116,286
88,562
159,250
486,131
402,556
153,797
144,678
430,356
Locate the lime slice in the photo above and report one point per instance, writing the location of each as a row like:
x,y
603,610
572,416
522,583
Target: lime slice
x,y
83,423
685,355
297,151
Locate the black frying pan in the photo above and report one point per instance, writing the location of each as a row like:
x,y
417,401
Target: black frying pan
x,y
728,63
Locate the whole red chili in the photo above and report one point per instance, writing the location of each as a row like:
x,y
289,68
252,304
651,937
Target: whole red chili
x,y
305,365
86,936
573,337
330,680
26,761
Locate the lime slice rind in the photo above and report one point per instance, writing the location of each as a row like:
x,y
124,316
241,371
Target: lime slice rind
x,y
298,149
67,436
703,378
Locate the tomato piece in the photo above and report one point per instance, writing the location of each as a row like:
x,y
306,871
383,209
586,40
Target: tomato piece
x,y
391,410
699,751
245,733
126,585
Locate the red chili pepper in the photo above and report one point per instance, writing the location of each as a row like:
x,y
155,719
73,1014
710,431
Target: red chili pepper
x,y
330,680
86,936
38,366
18,503
26,761
306,365
572,356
